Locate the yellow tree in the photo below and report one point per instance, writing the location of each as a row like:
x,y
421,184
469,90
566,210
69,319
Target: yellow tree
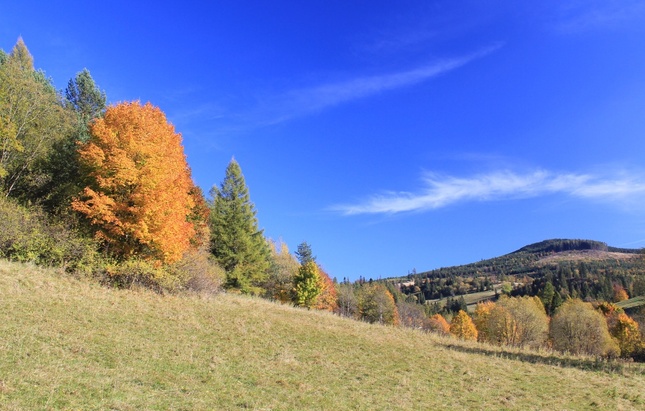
x,y
626,332
32,120
142,196
307,285
530,324
481,318
501,326
620,294
462,326
578,328
278,284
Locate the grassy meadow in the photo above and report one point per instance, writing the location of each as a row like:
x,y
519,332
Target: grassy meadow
x,y
73,344
632,303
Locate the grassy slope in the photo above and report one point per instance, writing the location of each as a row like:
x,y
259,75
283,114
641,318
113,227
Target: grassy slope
x,y
632,303
67,344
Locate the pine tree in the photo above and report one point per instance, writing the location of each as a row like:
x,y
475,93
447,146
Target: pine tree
x,y
304,253
87,100
87,103
237,243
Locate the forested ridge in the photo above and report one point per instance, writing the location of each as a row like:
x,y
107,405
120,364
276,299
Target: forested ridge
x,y
570,265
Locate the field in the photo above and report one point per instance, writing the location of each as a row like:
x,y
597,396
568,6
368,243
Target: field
x,y
472,299
632,303
72,344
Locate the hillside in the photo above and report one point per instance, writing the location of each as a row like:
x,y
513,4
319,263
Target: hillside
x,y
72,344
576,268
530,259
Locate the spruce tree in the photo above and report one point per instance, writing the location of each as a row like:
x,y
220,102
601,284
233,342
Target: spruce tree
x,y
305,254
87,103
237,243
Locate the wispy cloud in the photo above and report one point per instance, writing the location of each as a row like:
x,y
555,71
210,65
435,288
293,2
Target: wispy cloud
x,y
579,16
295,103
442,191
401,41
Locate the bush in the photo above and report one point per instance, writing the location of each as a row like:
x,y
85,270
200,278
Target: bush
x,y
30,235
199,272
437,324
135,273
196,272
530,324
578,328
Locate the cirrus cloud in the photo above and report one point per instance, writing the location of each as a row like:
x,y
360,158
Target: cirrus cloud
x,y
441,191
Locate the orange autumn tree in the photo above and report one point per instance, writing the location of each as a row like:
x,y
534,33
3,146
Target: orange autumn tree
x,y
328,298
627,334
141,193
437,324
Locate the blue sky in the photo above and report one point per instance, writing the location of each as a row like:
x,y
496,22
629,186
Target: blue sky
x,y
390,136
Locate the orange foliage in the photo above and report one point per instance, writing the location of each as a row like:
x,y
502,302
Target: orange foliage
x,y
626,332
140,197
620,294
611,312
437,324
328,298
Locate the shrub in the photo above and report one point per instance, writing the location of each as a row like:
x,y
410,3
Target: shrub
x,y
437,324
134,273
199,272
579,329
30,235
196,271
530,324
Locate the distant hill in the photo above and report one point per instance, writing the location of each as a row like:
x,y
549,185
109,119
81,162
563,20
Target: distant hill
x,y
560,245
72,344
530,259
576,268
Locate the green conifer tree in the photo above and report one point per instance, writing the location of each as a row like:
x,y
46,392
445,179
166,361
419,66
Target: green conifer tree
x,y
86,99
237,243
87,102
304,253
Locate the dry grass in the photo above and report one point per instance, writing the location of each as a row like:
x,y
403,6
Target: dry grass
x,y
586,255
69,344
